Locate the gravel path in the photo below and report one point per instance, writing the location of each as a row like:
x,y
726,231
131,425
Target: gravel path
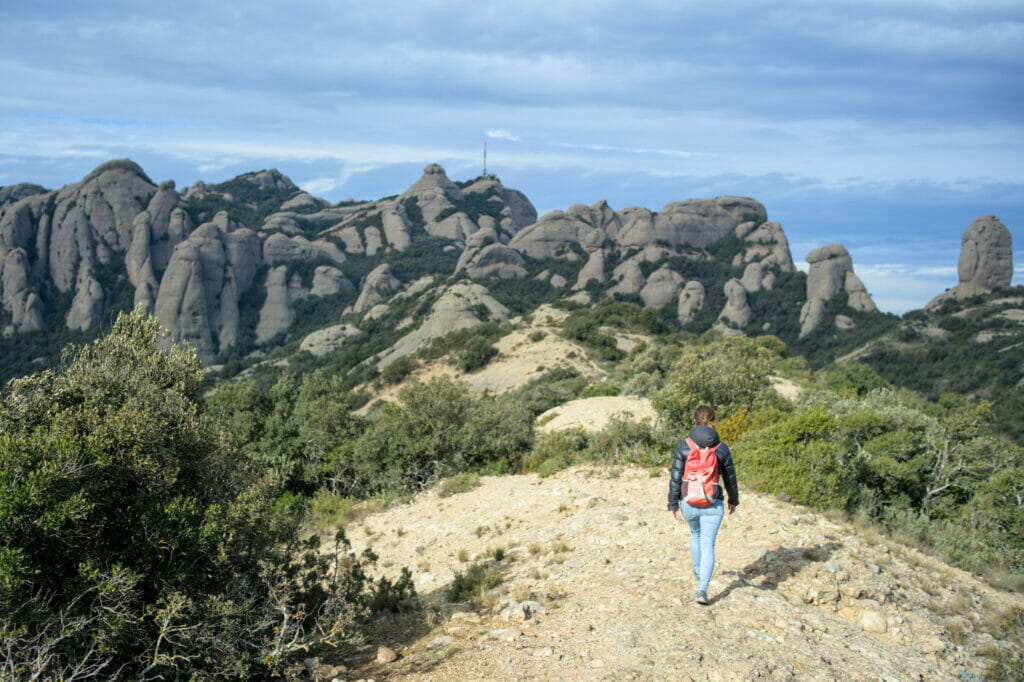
x,y
597,585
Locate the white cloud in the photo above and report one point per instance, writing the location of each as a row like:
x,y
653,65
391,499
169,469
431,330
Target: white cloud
x,y
501,134
323,185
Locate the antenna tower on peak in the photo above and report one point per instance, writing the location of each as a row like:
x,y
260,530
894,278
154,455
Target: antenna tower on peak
x,y
485,159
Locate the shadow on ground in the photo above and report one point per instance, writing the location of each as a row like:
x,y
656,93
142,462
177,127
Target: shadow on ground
x,y
398,630
776,566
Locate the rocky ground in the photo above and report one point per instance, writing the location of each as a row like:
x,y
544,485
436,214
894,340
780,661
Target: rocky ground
x,y
596,584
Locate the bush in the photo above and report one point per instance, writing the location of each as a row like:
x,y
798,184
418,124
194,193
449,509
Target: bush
x,y
475,354
730,374
439,428
556,450
397,370
328,510
473,582
459,483
624,441
135,542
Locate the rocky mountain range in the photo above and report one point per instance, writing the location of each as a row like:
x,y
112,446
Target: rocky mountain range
x,y
235,267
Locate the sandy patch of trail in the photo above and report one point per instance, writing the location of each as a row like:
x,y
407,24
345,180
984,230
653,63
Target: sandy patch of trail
x,y
794,595
593,414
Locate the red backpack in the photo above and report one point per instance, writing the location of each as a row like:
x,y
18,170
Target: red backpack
x,y
700,475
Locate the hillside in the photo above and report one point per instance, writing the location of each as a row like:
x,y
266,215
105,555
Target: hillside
x,y
603,570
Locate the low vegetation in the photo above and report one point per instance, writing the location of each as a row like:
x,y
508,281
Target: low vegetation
x,y
136,510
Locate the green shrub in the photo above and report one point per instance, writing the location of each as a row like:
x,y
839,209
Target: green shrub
x,y
625,441
730,374
556,450
552,465
473,582
328,510
459,483
475,354
397,370
854,377
137,542
438,429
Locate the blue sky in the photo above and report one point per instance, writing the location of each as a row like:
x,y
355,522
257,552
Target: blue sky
x,y
886,126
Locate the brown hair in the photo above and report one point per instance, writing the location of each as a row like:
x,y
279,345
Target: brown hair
x,y
704,415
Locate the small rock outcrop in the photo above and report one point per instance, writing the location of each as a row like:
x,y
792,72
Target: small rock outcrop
x,y
691,300
454,310
497,261
986,257
662,286
19,297
736,313
378,285
986,260
323,341
204,281
831,274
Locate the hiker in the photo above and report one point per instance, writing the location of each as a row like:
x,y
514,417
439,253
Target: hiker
x,y
704,464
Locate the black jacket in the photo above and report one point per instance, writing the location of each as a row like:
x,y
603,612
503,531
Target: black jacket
x,y
705,437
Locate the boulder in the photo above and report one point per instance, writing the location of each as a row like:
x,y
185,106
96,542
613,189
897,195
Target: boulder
x,y
637,228
277,312
827,274
432,192
87,304
736,313
379,284
555,235
181,304
208,274
397,230
328,280
691,299
753,276
350,237
281,222
497,261
476,241
323,341
302,200
857,296
811,315
19,191
592,271
831,273
628,278
374,241
19,298
986,257
662,286
768,244
702,222
456,227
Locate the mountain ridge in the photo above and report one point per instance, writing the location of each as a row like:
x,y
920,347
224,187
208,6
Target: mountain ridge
x,y
192,257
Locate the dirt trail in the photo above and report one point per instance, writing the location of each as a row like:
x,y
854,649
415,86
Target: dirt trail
x,y
600,571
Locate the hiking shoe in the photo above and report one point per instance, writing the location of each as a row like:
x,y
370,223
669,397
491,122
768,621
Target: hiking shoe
x,y
702,598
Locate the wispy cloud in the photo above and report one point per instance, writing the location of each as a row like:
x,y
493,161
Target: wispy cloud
x,y
501,134
324,185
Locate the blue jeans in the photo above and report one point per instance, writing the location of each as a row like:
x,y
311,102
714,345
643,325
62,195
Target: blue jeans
x,y
704,523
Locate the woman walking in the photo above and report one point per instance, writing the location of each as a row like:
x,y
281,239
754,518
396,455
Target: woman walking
x,y
702,466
